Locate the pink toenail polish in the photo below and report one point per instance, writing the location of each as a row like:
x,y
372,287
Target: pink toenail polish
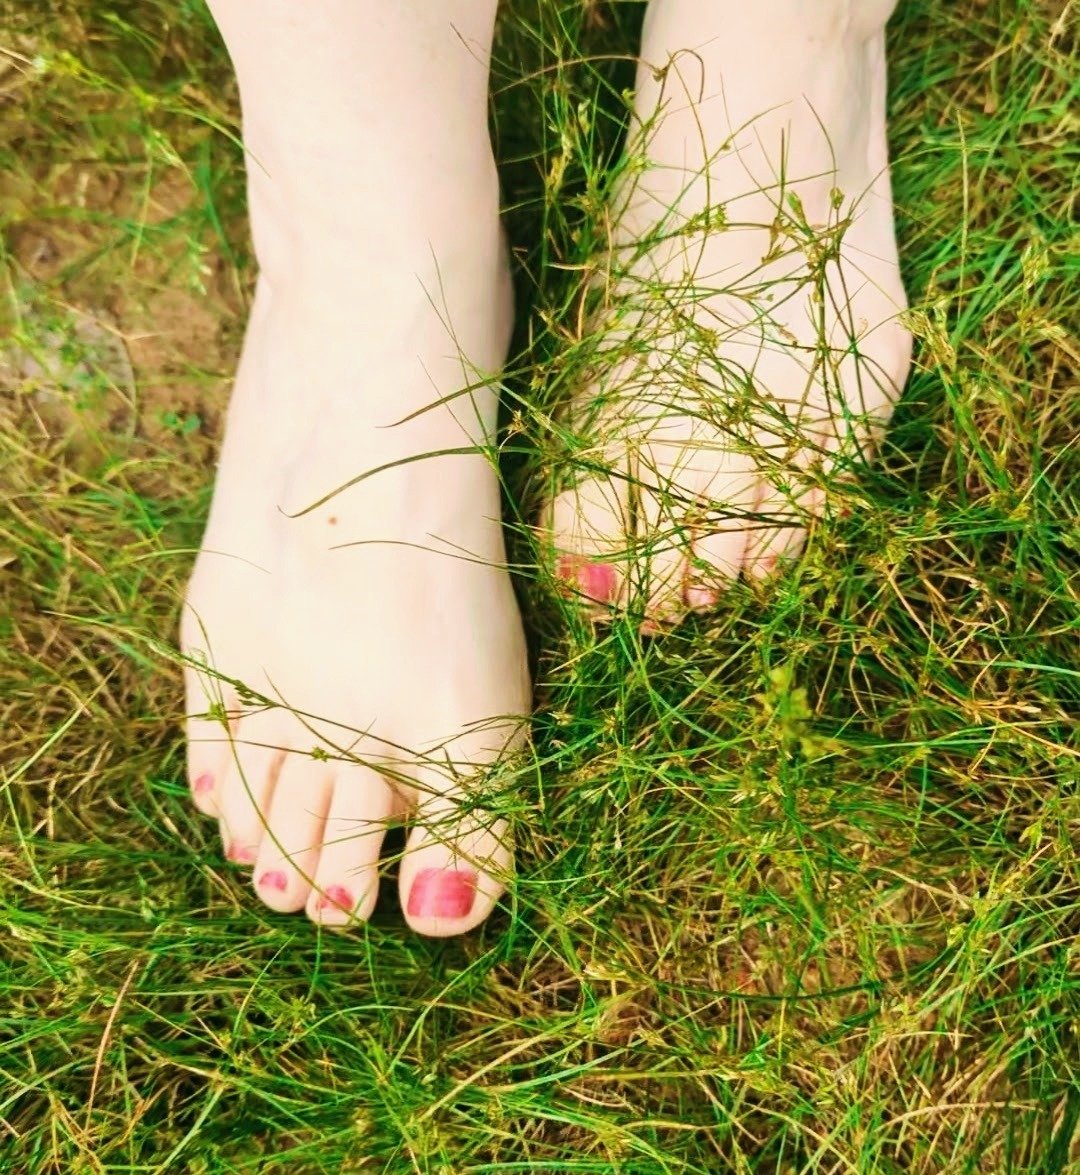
x,y
442,893
274,879
335,895
204,783
702,597
594,580
241,854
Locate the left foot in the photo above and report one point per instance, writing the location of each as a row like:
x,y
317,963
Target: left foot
x,y
757,330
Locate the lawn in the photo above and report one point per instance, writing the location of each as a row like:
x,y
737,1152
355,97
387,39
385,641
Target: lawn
x,y
798,884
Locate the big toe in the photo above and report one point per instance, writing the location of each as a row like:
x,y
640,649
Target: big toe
x,y
454,869
588,524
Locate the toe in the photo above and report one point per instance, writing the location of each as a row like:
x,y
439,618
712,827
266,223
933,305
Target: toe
x,y
208,738
724,487
733,508
289,852
347,875
455,867
717,560
660,556
782,531
243,798
718,550
588,525
663,571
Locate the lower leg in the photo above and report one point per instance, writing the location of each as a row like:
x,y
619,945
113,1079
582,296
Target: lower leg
x,y
352,106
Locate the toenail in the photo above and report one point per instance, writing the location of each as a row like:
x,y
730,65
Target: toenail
x,y
204,783
335,895
442,893
702,597
274,879
241,854
594,580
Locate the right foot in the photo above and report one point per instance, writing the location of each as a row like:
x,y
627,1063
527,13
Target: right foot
x,y
379,621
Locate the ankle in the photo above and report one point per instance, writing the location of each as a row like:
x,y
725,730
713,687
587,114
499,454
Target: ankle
x,y
366,222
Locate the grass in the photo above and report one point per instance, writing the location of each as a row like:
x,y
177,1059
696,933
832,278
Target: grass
x,y
798,884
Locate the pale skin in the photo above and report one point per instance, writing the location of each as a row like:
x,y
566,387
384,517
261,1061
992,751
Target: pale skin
x,y
374,619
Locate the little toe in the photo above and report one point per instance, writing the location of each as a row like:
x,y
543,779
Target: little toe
x,y
347,876
289,852
205,770
208,744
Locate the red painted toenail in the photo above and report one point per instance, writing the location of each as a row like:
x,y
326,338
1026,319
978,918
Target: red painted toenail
x,y
595,580
241,854
442,893
335,895
204,783
274,879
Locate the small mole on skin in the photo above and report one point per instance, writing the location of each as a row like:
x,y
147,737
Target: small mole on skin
x,y
332,520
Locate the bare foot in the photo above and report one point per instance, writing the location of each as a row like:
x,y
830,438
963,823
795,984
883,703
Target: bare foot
x,y
361,636
756,293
